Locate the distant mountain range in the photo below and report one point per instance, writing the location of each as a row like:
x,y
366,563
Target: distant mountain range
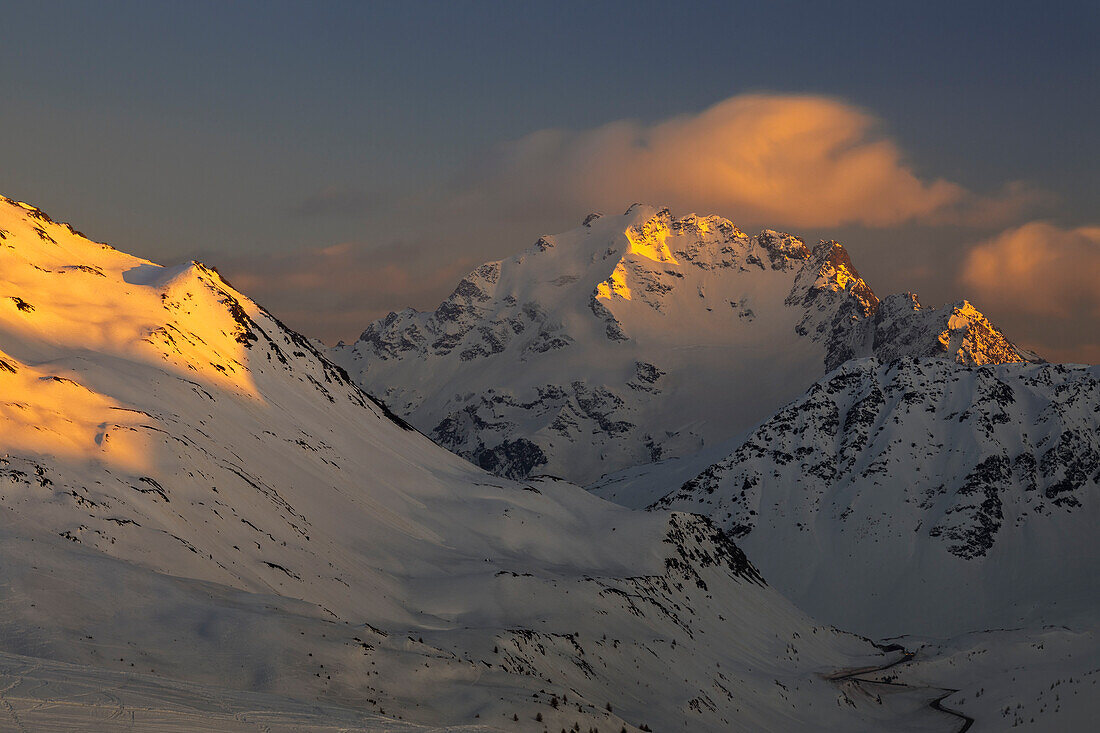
x,y
640,337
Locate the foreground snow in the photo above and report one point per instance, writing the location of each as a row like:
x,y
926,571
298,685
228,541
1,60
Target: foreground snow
x,y
52,697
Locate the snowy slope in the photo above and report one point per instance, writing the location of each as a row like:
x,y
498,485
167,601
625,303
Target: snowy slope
x,y
1043,679
640,337
190,493
916,496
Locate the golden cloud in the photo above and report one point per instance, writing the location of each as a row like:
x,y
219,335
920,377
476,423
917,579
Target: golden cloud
x,y
791,160
1038,268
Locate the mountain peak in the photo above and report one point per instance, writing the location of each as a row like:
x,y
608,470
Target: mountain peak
x,y
62,288
957,331
835,272
674,332
970,338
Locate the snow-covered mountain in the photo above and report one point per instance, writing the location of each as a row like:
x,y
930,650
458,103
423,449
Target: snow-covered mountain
x,y
640,337
202,519
916,496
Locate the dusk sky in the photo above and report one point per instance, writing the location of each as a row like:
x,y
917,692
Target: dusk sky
x,y
341,160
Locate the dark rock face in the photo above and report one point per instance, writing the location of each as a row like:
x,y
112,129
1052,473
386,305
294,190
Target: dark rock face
x,y
838,304
783,249
483,431
981,508
511,458
614,329
700,543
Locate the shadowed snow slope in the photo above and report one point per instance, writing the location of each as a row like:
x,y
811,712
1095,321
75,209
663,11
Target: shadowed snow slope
x,y
190,492
915,496
640,337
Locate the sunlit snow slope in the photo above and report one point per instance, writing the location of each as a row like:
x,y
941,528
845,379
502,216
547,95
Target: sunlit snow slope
x,y
190,493
640,337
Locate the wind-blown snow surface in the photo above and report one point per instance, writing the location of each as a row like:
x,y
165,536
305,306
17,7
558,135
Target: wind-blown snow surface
x,y
916,496
640,337
189,492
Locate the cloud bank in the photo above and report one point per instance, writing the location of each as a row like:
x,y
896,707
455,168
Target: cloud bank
x,y
1038,269
788,160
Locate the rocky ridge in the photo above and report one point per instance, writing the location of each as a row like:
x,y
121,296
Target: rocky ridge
x,y
935,493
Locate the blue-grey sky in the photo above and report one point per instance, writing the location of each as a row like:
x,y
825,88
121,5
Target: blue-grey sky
x,y
345,159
